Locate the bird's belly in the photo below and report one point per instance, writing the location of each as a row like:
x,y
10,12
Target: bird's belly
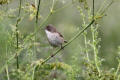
x,y
54,39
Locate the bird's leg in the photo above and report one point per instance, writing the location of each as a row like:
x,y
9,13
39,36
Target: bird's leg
x,y
61,46
52,54
60,56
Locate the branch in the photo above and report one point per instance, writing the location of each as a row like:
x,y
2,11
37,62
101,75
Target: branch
x,y
70,41
101,12
93,9
17,35
37,11
107,7
36,21
7,72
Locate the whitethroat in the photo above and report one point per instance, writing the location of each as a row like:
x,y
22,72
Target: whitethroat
x,y
55,38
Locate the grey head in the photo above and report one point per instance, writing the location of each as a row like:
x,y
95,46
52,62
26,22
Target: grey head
x,y
50,28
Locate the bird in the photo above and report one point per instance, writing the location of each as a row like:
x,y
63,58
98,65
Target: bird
x,y
54,37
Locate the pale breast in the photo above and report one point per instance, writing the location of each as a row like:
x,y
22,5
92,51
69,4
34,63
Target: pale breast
x,y
54,38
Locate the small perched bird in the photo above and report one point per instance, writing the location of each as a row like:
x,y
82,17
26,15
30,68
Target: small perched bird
x,y
54,37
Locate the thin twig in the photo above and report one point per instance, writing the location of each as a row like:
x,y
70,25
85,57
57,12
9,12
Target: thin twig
x,y
102,10
101,6
17,35
36,24
96,61
107,7
93,8
37,14
95,53
37,11
17,48
8,78
19,8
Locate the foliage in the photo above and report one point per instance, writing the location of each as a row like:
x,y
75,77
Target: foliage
x,y
26,47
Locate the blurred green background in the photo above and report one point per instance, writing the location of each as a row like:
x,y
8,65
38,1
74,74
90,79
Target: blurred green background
x,y
68,21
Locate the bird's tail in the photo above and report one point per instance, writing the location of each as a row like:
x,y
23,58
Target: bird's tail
x,y
65,41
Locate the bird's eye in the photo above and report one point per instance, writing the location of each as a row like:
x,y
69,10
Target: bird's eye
x,y
49,29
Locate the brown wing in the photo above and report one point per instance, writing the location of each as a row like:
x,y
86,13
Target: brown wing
x,y
61,35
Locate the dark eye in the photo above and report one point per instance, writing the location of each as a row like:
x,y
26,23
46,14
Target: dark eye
x,y
48,29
